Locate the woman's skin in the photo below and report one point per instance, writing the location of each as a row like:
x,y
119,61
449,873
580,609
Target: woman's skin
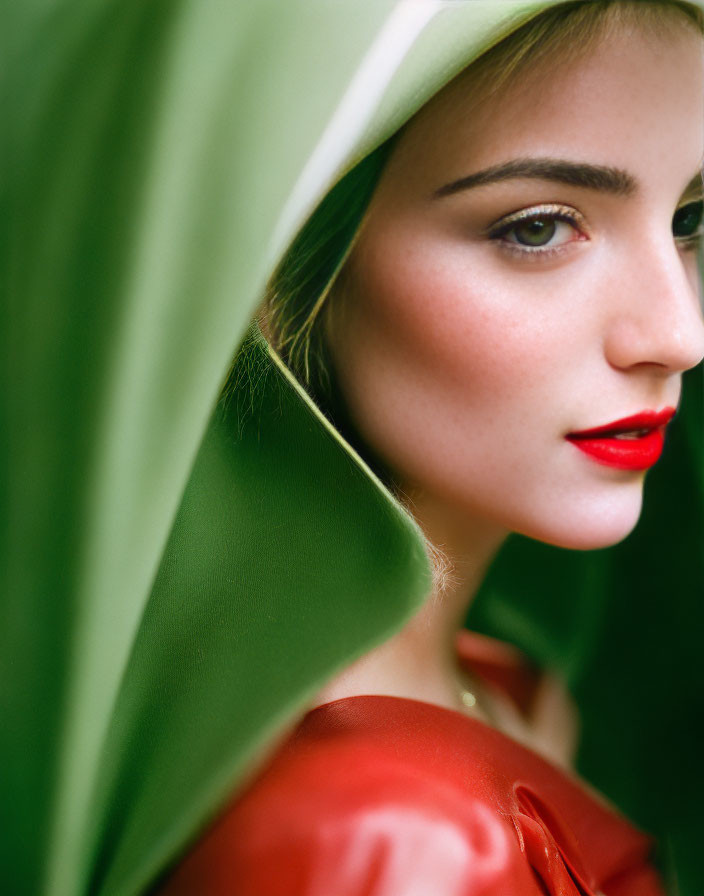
x,y
465,356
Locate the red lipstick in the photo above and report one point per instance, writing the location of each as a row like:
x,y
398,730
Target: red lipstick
x,y
633,443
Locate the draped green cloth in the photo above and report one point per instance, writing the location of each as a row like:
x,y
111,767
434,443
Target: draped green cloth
x,y
177,578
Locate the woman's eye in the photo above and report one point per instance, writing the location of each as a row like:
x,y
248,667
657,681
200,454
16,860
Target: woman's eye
x,y
538,231
687,222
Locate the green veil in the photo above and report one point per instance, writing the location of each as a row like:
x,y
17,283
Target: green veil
x,y
178,580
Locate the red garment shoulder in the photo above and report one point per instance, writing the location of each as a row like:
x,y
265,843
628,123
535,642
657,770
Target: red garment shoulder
x,y
382,796
339,813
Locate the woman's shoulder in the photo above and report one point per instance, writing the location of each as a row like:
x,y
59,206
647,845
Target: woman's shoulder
x,y
384,796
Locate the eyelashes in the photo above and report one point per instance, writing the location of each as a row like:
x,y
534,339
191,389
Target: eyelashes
x,y
548,230
542,230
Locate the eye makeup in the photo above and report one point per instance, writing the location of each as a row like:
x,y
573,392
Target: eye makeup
x,y
534,230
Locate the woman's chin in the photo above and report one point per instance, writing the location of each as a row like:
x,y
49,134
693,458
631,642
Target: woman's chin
x,y
591,523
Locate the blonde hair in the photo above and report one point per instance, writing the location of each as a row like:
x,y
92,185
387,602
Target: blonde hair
x,y
575,28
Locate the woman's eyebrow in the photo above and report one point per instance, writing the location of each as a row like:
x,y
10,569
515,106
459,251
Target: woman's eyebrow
x,y
575,174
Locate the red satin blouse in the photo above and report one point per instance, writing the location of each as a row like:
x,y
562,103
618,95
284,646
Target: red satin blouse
x,y
386,796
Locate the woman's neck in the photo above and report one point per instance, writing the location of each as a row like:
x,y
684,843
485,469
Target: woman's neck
x,y
419,661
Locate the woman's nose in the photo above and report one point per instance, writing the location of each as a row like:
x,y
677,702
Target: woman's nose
x,y
657,317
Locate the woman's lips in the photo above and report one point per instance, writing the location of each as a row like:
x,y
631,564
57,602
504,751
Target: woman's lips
x,y
633,443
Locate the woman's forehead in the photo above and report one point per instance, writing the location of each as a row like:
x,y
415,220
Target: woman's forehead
x,y
629,92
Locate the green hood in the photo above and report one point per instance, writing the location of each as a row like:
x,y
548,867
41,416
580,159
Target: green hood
x,y
179,580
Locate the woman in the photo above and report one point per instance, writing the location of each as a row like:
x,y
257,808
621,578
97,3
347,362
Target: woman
x,y
503,341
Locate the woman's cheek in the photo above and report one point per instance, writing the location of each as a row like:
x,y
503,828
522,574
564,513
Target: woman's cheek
x,y
453,331
462,308
428,355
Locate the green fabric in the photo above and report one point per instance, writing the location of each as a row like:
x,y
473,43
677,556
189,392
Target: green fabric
x,y
247,611
178,578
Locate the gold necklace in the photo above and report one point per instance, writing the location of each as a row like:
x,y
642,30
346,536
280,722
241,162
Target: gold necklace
x,y
474,698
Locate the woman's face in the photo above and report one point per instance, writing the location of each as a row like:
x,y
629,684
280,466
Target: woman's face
x,y
479,325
